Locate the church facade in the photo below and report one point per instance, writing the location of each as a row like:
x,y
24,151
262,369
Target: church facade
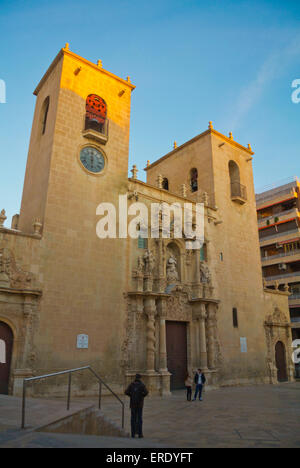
x,y
125,305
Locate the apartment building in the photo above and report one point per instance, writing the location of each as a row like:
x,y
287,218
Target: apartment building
x,y
278,214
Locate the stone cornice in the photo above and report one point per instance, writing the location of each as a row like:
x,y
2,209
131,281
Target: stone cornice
x,y
210,131
15,232
24,292
277,324
277,291
145,294
65,51
162,191
204,300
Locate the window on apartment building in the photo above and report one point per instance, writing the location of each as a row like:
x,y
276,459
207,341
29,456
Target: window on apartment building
x,y
235,317
45,110
194,179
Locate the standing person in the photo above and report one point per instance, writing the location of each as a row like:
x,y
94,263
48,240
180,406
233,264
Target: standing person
x,y
137,392
188,384
199,381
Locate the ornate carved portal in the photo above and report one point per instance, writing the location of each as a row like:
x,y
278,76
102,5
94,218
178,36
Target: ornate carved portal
x,y
279,341
19,305
171,284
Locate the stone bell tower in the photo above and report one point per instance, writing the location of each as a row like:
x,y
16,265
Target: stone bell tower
x,y
78,158
79,104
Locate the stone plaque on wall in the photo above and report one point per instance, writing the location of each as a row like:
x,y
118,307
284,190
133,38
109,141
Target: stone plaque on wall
x,y
82,341
244,348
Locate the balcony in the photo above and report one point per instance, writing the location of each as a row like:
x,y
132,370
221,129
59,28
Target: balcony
x,y
284,277
96,131
275,194
271,259
295,319
294,296
238,193
282,216
294,300
279,234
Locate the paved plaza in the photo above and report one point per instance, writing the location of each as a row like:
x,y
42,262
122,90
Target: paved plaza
x,y
260,416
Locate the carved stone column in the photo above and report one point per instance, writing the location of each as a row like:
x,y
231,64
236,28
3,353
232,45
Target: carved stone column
x,y
163,365
27,332
162,338
183,273
211,325
198,275
148,282
202,337
161,266
150,311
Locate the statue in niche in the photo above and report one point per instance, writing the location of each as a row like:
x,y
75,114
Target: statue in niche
x,y
205,273
172,273
149,261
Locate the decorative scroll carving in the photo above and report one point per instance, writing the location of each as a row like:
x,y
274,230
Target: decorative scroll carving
x,y
16,277
178,307
277,318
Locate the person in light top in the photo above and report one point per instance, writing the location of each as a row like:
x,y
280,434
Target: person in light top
x,y
188,384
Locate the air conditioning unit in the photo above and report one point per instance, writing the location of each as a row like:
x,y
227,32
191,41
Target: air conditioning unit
x,y
282,266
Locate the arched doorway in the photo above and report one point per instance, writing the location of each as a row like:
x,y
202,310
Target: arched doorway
x,y
281,362
6,346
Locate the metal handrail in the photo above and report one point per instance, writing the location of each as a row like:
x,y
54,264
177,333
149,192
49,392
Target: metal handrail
x,y
294,296
277,215
70,372
285,254
283,276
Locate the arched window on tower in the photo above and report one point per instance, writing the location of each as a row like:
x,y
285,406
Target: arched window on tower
x,y
96,114
194,180
165,184
45,110
238,191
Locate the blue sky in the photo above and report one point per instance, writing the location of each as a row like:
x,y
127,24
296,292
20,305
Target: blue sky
x,y
232,62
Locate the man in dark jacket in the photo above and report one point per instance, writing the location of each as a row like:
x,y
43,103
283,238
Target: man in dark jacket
x,y
137,392
199,381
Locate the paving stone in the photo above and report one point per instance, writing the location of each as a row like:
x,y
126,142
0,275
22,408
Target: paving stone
x,y
238,417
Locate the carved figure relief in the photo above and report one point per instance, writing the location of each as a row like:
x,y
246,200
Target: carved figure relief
x,y
16,277
205,273
149,262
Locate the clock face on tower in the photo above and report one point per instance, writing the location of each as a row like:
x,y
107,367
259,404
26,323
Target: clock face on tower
x,y
92,159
